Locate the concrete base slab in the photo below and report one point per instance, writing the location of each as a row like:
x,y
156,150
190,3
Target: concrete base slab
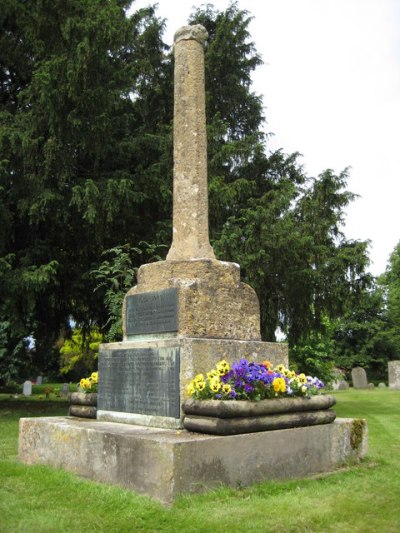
x,y
164,463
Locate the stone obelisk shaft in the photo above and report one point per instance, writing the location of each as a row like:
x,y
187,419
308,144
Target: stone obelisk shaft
x,y
190,239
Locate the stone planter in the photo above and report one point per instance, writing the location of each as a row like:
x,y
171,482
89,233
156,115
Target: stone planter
x,y
83,405
224,417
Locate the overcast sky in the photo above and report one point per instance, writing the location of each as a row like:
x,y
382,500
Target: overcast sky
x,y
331,90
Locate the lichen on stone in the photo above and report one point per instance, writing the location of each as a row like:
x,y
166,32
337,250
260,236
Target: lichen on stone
x,y
357,432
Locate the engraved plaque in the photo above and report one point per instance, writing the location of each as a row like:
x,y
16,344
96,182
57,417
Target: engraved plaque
x,y
152,312
140,380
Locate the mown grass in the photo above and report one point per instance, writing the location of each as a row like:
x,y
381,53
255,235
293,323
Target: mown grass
x,y
363,498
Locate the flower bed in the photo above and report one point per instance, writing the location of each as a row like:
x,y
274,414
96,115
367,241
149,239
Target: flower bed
x,y
252,397
84,404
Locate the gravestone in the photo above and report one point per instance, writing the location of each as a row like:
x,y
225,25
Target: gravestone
x,y
27,388
394,374
64,389
39,380
382,386
343,385
338,376
191,310
359,378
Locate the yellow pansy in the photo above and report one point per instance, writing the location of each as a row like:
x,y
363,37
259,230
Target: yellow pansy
x,y
85,383
226,388
279,385
191,388
222,367
280,368
200,385
215,384
212,374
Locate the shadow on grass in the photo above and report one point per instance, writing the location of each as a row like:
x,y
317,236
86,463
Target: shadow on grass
x,y
15,409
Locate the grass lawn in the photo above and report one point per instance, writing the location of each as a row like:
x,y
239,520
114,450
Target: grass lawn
x,y
363,498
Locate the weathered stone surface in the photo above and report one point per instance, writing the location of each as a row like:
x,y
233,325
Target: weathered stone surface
x,y
190,239
343,385
394,374
252,424
382,385
359,378
195,356
82,398
212,301
82,411
82,405
242,408
165,463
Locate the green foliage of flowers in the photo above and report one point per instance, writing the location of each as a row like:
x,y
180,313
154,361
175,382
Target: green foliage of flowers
x,y
247,380
90,383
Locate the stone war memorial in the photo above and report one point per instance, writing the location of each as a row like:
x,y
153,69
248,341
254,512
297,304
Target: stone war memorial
x,y
185,314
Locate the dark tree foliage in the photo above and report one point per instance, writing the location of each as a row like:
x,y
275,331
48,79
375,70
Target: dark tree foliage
x,y
390,282
85,139
363,336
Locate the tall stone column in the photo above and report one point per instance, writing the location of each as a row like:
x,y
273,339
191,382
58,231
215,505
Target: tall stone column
x,y
190,239
191,294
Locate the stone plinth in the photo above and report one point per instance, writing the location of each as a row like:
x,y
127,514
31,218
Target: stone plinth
x,y
394,374
212,301
144,382
164,463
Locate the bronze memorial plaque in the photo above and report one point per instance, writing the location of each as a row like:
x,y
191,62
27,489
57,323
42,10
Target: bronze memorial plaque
x,y
152,312
140,380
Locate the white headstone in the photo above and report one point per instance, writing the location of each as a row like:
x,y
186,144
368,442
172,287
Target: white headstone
x,y
64,389
27,388
382,385
39,380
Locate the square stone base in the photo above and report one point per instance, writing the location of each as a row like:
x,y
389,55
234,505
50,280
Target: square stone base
x,y
164,463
